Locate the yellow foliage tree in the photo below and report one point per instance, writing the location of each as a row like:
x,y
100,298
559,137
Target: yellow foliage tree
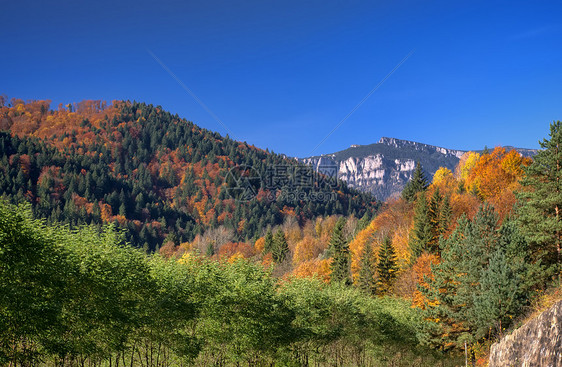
x,y
307,249
466,163
259,245
444,179
317,267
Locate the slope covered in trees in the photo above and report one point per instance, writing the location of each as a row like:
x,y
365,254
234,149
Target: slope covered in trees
x,y
105,303
270,277
163,178
475,248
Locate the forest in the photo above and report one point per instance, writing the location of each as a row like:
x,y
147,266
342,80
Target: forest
x,y
161,177
119,245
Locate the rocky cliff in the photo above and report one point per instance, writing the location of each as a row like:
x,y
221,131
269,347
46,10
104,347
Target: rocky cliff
x,y
538,343
385,167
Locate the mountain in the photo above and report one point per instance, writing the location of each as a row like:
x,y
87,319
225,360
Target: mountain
x,y
385,167
158,176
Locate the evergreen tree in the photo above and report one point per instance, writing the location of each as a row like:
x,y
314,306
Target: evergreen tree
x,y
96,210
387,267
421,233
445,215
363,222
268,245
123,210
418,183
442,303
434,218
500,296
280,248
341,262
541,202
366,280
479,286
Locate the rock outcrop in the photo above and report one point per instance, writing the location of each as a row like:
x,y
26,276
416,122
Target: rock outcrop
x,y
538,343
385,167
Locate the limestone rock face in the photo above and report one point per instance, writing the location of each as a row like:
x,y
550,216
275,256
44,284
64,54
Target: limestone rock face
x,y
538,343
385,167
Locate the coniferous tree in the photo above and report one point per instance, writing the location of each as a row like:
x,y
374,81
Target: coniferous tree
x,y
445,215
387,267
363,222
481,283
280,247
540,213
366,281
268,244
340,266
434,217
418,183
441,294
96,210
501,295
421,233
123,210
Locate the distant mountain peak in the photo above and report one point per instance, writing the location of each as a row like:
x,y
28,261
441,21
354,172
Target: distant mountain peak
x,y
393,141
383,168
400,143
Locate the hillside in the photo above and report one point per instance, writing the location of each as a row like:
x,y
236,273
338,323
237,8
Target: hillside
x,y
452,264
161,177
385,167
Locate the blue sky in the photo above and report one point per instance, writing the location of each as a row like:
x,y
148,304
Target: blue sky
x,y
282,74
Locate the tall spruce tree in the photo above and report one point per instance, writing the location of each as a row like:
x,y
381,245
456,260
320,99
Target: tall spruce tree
x,y
341,262
541,202
421,233
479,286
434,218
363,222
268,245
445,215
280,247
387,267
500,295
418,183
366,281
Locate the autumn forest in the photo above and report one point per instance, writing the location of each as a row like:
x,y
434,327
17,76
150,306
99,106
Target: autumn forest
x,y
132,237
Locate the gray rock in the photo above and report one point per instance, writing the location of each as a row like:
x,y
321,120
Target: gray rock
x,y
538,343
385,167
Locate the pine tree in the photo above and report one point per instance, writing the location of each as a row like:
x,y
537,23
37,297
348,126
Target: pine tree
x,y
363,222
123,210
366,281
421,233
387,267
500,296
445,215
480,284
268,245
434,218
280,247
340,265
541,202
418,183
96,210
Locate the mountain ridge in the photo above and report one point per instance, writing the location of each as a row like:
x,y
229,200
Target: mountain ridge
x,y
161,177
384,168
